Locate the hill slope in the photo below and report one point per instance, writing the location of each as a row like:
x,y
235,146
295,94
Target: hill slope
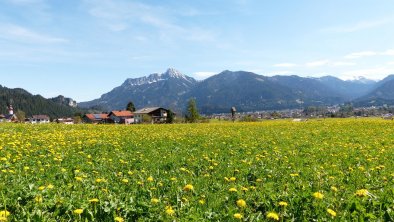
x,y
249,91
32,104
350,89
382,94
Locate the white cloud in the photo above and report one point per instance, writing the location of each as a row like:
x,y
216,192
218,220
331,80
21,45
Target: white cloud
x,y
390,63
285,65
317,63
344,64
123,15
13,32
370,73
286,72
203,75
389,52
356,55
358,26
117,27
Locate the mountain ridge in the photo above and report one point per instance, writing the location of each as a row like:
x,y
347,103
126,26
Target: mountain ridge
x,y
247,90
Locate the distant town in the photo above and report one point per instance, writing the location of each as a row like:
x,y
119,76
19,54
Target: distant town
x,y
160,115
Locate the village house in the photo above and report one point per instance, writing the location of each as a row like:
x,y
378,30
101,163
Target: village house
x,y
122,116
39,119
95,118
67,121
153,115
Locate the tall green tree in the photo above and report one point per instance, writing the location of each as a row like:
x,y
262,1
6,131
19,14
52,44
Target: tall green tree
x,y
130,107
192,115
21,116
170,116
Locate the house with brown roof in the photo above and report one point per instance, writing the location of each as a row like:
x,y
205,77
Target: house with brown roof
x,y
121,116
95,118
151,114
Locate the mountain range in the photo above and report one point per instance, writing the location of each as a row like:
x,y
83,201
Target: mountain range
x,y
246,91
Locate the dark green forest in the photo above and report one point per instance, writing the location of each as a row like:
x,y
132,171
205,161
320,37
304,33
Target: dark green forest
x,y
33,104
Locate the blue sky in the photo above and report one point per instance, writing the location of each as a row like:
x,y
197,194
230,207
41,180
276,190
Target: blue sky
x,y
84,48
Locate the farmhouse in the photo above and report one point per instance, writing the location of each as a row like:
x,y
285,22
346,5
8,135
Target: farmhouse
x,y
95,118
39,119
67,121
121,116
153,115
388,116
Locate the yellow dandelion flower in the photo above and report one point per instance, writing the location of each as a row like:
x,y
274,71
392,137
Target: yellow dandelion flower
x,y
318,195
232,189
362,193
150,179
169,211
78,178
202,201
119,219
4,213
100,180
241,203
94,200
38,199
78,211
125,180
41,188
50,186
238,216
273,216
232,179
154,200
332,212
334,189
244,189
283,204
188,187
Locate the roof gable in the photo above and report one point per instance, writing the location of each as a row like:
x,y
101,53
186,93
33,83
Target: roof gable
x,y
93,116
147,110
122,113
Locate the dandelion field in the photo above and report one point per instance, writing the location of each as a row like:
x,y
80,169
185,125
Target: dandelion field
x,y
329,170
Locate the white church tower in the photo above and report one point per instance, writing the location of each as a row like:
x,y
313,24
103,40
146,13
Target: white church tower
x,y
10,110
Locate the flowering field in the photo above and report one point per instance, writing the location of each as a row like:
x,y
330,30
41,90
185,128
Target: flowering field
x,y
275,171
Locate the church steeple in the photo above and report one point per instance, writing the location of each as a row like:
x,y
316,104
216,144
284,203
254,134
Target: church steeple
x,y
10,110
